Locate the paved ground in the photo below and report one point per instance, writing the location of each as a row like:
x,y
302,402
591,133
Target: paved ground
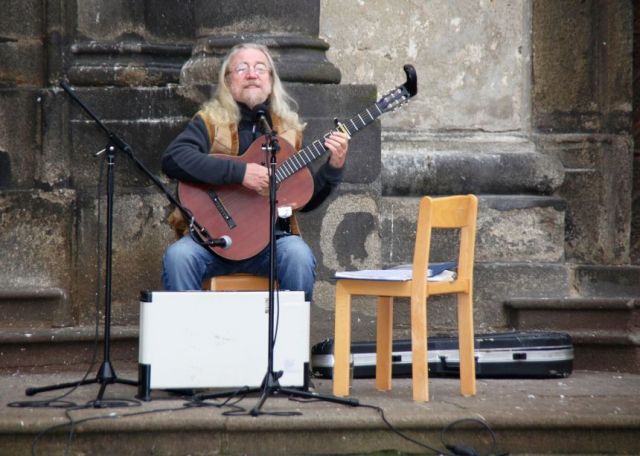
x,y
586,413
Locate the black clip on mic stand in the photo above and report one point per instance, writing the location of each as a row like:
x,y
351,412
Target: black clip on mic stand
x,y
270,384
106,374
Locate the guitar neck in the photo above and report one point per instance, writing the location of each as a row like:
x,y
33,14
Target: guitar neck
x,y
317,149
388,102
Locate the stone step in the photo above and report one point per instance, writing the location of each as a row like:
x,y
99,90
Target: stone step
x,y
48,350
34,307
578,314
597,280
605,331
586,413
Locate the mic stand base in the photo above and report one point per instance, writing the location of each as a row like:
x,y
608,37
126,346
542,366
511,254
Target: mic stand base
x,y
106,376
271,387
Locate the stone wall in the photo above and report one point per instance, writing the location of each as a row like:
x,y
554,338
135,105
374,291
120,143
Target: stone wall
x,y
526,104
585,119
143,68
472,58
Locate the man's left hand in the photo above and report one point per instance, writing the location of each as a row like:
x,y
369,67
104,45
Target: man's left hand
x,y
338,144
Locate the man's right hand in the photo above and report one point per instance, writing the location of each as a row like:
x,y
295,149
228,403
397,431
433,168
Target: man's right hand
x,y
256,177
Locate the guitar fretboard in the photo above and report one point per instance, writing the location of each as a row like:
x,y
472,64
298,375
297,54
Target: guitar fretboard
x,y
316,149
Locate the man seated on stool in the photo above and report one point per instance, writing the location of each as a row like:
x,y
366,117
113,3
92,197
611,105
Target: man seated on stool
x,y
247,78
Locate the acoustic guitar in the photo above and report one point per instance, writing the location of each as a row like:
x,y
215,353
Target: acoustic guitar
x,y
242,214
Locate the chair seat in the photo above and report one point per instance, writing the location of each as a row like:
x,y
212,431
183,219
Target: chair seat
x,y
399,288
236,282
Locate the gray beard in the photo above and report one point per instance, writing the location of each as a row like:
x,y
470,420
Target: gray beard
x,y
255,100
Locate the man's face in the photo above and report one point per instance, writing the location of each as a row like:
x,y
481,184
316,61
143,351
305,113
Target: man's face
x,y
249,77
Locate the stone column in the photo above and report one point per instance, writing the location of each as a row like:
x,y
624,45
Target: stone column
x,y
36,220
126,43
288,27
123,58
343,231
585,119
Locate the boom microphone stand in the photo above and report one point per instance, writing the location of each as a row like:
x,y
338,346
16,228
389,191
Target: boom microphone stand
x,y
106,374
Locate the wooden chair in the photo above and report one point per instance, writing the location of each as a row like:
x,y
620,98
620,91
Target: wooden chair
x,y
236,282
455,212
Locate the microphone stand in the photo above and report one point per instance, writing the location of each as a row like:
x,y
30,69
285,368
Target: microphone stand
x,y
270,384
106,374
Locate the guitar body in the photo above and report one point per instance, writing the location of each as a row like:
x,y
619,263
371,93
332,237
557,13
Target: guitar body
x,y
240,213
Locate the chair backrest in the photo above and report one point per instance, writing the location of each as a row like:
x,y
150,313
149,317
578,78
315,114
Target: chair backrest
x,y
451,212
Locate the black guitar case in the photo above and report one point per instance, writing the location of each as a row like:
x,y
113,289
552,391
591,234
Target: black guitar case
x,y
519,354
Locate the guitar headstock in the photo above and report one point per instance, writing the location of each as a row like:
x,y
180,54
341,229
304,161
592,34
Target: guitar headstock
x,y
401,94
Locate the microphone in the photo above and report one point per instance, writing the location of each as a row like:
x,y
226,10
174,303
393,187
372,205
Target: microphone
x,y
260,115
224,242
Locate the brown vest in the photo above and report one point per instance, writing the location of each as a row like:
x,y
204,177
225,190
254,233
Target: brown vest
x,y
224,140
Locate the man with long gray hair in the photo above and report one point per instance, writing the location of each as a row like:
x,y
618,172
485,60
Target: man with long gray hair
x,y
227,124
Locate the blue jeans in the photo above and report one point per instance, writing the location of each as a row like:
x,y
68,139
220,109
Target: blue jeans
x,y
186,264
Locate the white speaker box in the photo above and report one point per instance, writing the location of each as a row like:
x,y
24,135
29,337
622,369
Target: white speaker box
x,y
219,339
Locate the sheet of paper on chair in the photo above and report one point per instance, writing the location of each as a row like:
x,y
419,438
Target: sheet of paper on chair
x,y
392,275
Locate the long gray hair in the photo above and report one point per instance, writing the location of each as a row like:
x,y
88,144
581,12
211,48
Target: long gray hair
x,y
223,109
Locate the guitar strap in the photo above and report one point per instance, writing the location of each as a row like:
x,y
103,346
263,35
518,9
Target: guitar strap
x,y
224,140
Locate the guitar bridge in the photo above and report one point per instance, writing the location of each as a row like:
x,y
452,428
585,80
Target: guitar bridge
x,y
215,199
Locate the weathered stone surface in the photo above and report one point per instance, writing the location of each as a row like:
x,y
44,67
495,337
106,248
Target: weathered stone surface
x,y
346,237
441,164
140,236
597,188
468,130
31,307
320,104
292,38
21,62
472,59
589,38
21,45
37,237
146,119
602,281
37,245
124,44
555,416
635,209
20,137
496,282
38,350
109,21
509,228
521,228
343,234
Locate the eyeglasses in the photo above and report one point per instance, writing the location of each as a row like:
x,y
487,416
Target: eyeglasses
x,y
243,68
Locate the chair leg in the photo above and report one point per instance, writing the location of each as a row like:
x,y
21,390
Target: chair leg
x,y
342,342
384,343
419,355
466,342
